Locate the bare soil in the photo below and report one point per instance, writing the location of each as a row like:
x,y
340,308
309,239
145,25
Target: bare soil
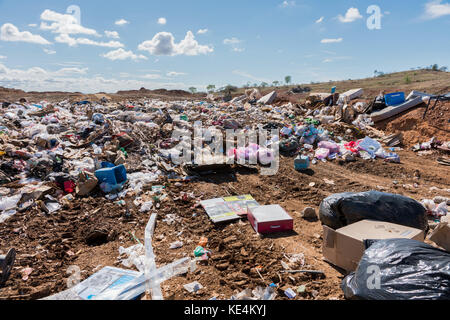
x,y
51,243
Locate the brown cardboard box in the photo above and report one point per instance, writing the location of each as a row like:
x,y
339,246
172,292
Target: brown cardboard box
x,y
345,247
441,235
86,183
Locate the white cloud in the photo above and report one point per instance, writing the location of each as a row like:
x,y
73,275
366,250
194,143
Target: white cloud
x,y
163,43
71,71
121,22
436,9
63,24
121,54
3,57
351,15
332,40
151,76
112,34
287,4
47,51
33,25
175,74
320,20
75,80
37,72
202,31
68,64
162,21
9,32
232,41
65,38
328,60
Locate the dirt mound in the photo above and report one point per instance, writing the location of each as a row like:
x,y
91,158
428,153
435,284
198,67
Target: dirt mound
x,y
416,129
7,94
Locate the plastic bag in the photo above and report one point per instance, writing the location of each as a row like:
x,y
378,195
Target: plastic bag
x,y
341,209
369,145
135,255
7,203
332,146
400,269
322,153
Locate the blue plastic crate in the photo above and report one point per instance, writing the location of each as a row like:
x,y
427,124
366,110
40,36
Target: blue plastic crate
x,y
301,163
393,99
113,176
105,164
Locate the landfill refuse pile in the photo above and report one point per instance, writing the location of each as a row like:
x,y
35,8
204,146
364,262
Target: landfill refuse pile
x,y
95,190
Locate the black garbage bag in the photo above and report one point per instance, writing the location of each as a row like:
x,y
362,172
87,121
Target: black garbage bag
x,y
400,269
342,209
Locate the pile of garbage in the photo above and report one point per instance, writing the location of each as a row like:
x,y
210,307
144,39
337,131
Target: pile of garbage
x,y
52,154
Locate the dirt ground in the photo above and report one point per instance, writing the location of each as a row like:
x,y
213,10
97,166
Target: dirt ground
x,y
50,244
415,129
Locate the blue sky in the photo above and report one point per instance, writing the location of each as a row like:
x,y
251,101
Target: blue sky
x,y
179,44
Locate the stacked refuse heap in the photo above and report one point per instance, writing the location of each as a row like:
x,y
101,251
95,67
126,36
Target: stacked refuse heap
x,y
78,179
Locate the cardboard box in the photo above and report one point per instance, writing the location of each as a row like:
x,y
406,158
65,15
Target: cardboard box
x,y
270,219
441,235
345,247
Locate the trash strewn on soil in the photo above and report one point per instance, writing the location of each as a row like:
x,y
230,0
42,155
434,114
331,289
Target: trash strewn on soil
x,y
105,199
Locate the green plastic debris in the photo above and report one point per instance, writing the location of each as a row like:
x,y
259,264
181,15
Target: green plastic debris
x,y
301,289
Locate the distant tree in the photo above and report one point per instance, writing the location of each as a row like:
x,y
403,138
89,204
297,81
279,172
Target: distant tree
x,y
229,88
288,79
255,85
407,80
264,84
444,69
275,83
211,88
435,67
193,90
